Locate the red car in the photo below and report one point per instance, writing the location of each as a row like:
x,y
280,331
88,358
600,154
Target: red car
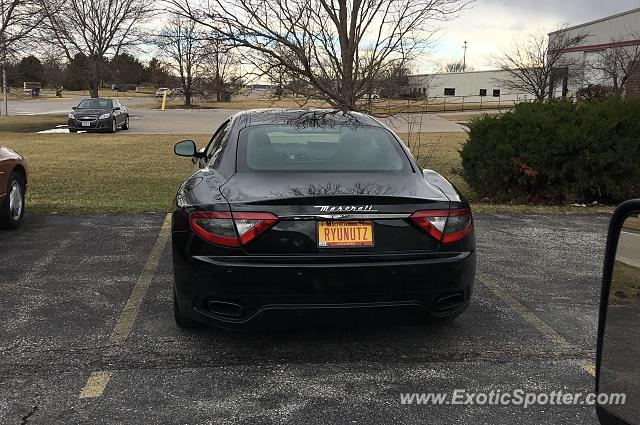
x,y
13,186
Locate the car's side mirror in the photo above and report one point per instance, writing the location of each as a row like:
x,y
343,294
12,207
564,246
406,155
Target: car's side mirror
x,y
185,148
117,108
618,349
74,108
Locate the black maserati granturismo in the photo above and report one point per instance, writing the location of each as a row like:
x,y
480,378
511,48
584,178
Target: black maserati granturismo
x,y
315,209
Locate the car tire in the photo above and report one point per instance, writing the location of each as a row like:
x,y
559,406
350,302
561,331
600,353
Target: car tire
x,y
182,320
114,126
12,210
125,125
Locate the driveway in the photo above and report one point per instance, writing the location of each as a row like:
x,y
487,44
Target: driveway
x,y
87,335
206,121
54,105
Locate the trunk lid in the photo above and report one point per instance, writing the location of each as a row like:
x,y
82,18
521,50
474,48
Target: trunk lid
x,y
301,200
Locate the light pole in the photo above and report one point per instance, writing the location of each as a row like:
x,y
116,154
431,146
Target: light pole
x,y
464,58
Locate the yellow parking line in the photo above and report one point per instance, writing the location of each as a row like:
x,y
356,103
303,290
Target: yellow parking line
x,y
132,308
534,320
95,384
98,380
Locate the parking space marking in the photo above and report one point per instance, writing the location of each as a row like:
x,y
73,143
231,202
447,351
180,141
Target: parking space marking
x,y
132,308
36,268
95,384
98,380
533,320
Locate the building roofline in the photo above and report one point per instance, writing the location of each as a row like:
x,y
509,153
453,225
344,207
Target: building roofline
x,y
456,73
617,15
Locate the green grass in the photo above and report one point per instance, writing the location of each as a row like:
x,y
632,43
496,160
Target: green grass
x,y
30,123
77,173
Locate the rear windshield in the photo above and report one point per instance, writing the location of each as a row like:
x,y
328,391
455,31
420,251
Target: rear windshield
x,y
95,104
266,148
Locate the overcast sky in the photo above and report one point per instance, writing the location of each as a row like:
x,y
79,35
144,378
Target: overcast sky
x,y
489,25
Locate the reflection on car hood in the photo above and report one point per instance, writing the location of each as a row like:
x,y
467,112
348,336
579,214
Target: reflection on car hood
x,y
270,186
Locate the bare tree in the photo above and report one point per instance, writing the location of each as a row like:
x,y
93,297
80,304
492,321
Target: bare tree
x,y
393,80
617,64
456,66
18,20
97,29
534,65
222,73
338,46
183,46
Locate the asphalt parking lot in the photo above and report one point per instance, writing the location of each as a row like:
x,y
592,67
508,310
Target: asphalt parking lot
x,y
87,335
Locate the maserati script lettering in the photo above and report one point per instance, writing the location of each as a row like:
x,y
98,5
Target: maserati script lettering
x,y
345,208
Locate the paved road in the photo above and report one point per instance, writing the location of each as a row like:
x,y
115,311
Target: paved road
x,y
65,281
61,105
206,121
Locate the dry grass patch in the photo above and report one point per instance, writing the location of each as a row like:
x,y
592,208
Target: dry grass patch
x,y
31,123
439,152
241,104
135,173
632,223
465,117
101,172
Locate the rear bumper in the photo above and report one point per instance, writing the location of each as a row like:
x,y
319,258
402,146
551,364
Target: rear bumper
x,y
230,291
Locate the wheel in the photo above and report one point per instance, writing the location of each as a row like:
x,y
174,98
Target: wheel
x,y
182,320
114,127
125,126
12,210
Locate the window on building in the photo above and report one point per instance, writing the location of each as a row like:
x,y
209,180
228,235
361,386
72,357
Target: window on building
x,y
449,92
483,92
496,93
424,90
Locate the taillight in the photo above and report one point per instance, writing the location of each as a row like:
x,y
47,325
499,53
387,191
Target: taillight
x,y
219,227
446,226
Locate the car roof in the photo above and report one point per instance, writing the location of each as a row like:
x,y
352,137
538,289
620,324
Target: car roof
x,y
97,98
303,117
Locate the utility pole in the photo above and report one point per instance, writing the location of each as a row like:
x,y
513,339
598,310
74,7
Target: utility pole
x,y
464,58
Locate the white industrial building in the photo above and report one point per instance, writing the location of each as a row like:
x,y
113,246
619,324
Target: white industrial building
x,y
485,87
602,35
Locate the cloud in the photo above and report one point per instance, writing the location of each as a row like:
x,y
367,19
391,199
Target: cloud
x,y
490,25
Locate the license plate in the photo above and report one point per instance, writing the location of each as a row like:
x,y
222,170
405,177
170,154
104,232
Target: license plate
x,y
86,123
341,234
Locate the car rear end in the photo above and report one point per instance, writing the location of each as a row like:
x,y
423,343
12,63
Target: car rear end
x,y
288,239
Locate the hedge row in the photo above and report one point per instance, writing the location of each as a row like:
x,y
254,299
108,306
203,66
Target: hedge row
x,y
557,152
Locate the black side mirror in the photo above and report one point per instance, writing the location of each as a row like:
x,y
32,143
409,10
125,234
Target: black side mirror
x,y
74,108
185,148
618,350
117,108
